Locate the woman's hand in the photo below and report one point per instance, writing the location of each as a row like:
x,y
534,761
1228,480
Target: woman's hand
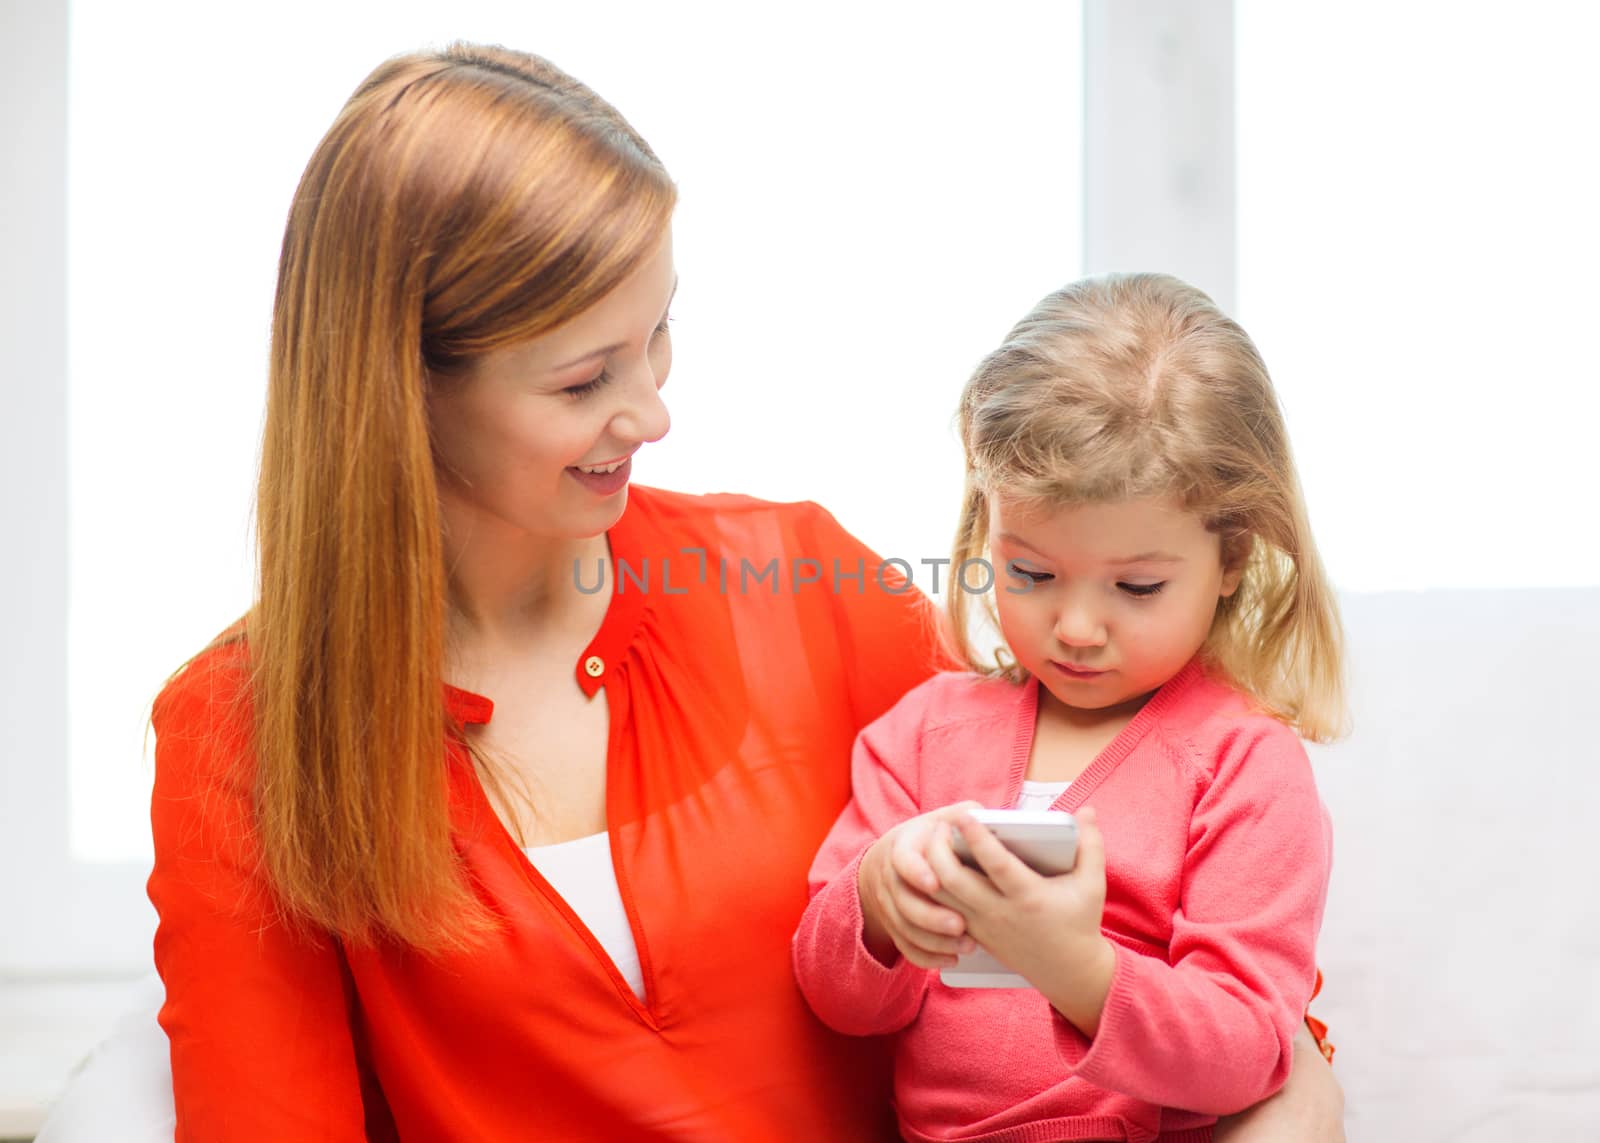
x,y
1047,929
897,884
1309,1108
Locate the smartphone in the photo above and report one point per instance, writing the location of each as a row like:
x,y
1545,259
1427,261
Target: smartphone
x,y
1047,842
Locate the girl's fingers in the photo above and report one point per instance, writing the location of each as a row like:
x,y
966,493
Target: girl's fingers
x,y
924,921
1004,869
907,860
960,887
932,918
923,959
1091,862
906,854
924,948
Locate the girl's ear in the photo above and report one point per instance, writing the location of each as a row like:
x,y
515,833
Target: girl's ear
x,y
1236,548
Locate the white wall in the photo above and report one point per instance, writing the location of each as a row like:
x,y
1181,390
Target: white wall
x,y
56,914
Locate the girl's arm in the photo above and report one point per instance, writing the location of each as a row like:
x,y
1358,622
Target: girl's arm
x,y
1208,1027
1309,1108
1241,960
257,1018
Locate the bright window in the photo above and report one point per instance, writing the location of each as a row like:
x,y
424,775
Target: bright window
x,y
1417,243
870,198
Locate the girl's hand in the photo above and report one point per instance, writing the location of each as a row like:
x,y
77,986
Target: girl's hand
x,y
896,885
1045,928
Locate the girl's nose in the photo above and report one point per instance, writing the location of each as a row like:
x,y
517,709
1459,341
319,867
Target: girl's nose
x,y
1079,626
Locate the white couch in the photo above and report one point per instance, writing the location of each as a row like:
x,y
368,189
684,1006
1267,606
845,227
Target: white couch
x,y
1462,939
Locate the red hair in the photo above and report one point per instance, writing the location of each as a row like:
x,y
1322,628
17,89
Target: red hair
x,y
464,200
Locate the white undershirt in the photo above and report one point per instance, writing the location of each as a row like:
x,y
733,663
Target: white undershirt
x,y
582,872
1040,795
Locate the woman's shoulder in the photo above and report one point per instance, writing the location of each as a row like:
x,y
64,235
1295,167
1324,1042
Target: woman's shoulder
x,y
203,711
711,512
796,542
218,673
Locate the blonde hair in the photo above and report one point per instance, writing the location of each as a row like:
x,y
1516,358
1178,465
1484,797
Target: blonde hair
x,y
1137,385
463,200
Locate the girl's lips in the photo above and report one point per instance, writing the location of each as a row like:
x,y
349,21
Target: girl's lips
x,y
1075,672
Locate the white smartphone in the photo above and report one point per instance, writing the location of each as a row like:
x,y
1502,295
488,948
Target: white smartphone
x,y
1047,841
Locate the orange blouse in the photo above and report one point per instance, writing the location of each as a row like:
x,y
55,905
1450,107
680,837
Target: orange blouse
x,y
746,644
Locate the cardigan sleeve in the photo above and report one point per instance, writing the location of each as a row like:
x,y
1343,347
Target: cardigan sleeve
x,y
848,988
257,1017
1210,1030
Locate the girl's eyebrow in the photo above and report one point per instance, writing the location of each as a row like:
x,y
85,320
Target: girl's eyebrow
x,y
1141,558
1013,538
1149,558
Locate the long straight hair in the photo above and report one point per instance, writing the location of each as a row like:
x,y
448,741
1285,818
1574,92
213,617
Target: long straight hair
x,y
1137,385
464,200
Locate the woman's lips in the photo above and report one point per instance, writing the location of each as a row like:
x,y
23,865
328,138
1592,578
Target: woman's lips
x,y
603,483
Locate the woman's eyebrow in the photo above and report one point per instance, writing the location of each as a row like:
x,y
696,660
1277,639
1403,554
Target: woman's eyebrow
x,y
610,349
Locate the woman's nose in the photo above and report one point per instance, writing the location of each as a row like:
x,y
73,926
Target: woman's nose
x,y
645,418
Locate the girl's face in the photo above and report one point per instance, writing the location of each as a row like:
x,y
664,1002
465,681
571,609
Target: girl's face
x,y
1118,596
538,436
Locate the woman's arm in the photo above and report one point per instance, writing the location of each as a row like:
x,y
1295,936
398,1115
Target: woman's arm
x,y
1308,1109
257,1016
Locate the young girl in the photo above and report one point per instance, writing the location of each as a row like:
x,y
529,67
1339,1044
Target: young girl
x,y
1133,511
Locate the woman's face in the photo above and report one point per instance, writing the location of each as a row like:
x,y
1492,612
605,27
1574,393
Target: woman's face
x,y
538,436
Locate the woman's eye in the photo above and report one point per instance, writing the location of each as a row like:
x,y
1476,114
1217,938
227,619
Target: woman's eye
x,y
588,387
1035,576
1141,590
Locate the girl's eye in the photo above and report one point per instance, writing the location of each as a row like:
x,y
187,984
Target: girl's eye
x,y
662,330
588,387
1142,590
1035,576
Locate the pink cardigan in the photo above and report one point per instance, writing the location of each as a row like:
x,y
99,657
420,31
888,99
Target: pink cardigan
x,y
1217,855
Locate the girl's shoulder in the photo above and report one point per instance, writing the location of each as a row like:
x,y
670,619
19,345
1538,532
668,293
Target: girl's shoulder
x,y
1217,725
951,699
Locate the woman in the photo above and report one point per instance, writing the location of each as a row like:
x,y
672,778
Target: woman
x,y
491,819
